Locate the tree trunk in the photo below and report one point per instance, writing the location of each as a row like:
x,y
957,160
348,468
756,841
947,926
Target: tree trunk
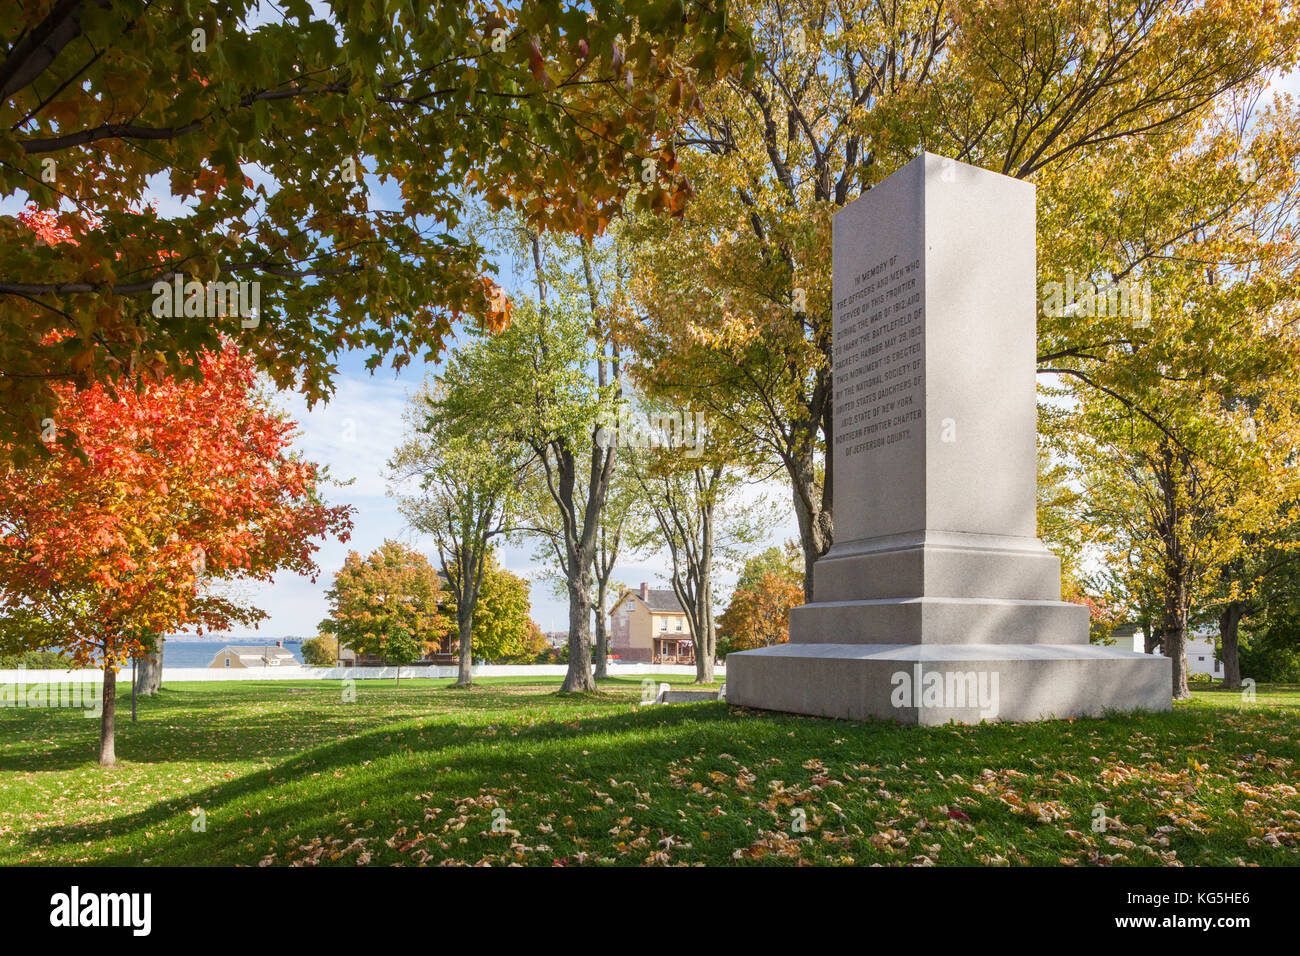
x,y
705,643
703,665
705,634
578,679
107,753
149,672
1175,648
1173,601
602,633
465,628
814,520
1229,618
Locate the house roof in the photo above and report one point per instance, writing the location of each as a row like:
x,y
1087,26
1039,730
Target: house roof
x,y
661,600
256,651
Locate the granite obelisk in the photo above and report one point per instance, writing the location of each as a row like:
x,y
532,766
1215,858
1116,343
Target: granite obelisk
x,y
937,601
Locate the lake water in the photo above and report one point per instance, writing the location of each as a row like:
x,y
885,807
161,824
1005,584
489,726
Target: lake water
x,y
200,653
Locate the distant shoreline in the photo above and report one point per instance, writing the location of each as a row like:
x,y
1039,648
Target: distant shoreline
x,y
231,639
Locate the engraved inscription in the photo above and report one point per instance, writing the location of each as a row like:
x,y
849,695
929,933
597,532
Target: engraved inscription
x,y
879,357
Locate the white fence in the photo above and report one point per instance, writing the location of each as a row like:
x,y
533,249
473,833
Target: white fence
x,y
300,672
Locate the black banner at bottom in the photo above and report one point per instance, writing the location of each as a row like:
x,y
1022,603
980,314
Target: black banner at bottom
x,y
302,906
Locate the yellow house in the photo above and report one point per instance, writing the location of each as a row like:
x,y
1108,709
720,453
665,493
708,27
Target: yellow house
x,y
650,625
235,657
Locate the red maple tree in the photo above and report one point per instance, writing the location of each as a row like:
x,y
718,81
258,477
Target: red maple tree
x,y
117,535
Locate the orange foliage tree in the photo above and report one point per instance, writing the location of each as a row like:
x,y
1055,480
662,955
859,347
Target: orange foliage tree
x,y
759,612
387,604
115,536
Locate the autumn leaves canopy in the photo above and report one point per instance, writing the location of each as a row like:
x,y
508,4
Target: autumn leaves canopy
x,y
273,128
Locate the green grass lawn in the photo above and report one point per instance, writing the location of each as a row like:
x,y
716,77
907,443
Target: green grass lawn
x,y
291,773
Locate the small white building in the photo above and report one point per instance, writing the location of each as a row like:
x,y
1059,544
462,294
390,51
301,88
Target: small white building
x,y
268,655
1201,655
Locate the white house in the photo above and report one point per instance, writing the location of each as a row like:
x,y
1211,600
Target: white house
x,y
1201,655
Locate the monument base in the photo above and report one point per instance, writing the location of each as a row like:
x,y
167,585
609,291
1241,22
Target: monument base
x,y
932,684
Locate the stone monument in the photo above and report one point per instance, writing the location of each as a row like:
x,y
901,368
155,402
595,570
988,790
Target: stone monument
x,y
937,601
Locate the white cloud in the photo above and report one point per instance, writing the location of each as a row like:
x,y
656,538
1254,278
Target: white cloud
x,y
355,432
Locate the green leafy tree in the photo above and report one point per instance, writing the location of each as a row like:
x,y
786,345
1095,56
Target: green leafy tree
x,y
700,521
552,411
273,123
1263,582
386,604
503,626
38,660
468,490
623,523
583,521
782,561
1183,427
1272,652
1187,505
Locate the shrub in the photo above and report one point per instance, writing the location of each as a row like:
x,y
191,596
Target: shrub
x,y
37,660
553,655
1272,657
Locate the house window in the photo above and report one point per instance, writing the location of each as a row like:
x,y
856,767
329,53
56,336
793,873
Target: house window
x,y
679,624
663,624
227,660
